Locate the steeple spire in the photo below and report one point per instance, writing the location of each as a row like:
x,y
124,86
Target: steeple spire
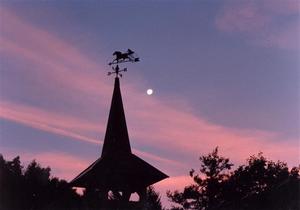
x,y
116,139
118,169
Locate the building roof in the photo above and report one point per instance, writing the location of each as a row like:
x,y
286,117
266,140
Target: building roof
x,y
118,168
116,137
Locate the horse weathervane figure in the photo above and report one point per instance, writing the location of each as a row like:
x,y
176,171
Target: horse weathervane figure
x,y
129,56
120,57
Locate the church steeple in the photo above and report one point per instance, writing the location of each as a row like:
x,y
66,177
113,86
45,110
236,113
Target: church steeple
x,y
118,169
116,139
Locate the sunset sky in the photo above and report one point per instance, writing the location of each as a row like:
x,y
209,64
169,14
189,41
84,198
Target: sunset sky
x,y
224,73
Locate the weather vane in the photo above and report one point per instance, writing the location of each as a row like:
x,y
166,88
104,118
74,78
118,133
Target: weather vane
x,y
129,56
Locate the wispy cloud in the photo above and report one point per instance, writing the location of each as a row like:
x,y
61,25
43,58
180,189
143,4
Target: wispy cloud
x,y
63,165
265,23
166,133
64,125
53,59
49,121
183,132
172,136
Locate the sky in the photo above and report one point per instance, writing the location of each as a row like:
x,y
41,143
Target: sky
x,y
224,73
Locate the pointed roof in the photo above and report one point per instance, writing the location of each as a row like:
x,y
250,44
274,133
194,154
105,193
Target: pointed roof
x,y
127,172
116,139
118,168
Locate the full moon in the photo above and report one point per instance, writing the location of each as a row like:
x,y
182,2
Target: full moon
x,y
149,92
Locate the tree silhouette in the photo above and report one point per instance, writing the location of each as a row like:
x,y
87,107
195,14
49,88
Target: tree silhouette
x,y
263,184
260,184
205,193
10,182
153,201
33,188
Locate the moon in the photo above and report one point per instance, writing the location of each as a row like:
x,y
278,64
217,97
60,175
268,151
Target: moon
x,y
149,92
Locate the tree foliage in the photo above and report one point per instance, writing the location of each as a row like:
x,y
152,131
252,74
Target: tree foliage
x,y
260,184
153,200
33,188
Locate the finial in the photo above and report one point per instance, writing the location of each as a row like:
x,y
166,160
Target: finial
x,y
128,56
116,70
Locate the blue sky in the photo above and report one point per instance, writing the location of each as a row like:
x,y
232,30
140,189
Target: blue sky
x,y
224,73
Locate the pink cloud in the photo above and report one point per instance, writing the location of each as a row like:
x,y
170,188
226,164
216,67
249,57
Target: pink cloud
x,y
241,17
64,125
258,22
281,7
188,136
47,121
54,59
175,135
63,166
173,129
173,183
287,38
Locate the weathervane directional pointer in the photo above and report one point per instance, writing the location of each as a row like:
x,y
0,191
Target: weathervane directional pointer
x,y
116,70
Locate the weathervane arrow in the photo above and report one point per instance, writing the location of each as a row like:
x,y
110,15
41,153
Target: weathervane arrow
x,y
116,71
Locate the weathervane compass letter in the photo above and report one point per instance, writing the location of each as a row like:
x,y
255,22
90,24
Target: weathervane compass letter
x,y
116,70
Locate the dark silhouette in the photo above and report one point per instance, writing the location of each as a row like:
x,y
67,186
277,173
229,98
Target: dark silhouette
x,y
117,71
118,170
128,56
259,185
33,188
